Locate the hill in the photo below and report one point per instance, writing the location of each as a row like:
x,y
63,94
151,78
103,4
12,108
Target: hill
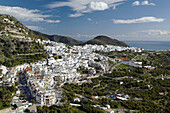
x,y
10,26
59,38
104,40
18,43
22,39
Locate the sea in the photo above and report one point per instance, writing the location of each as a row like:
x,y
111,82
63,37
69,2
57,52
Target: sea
x,y
150,45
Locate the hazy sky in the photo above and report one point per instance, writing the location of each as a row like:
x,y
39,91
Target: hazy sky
x,y
85,19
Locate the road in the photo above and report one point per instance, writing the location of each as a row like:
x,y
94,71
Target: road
x,y
7,110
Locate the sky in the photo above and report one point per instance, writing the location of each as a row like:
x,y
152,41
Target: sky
x,y
142,20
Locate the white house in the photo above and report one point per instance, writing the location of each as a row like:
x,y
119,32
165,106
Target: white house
x,y
4,70
77,100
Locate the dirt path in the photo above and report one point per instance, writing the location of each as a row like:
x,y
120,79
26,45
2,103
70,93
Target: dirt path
x,y
7,110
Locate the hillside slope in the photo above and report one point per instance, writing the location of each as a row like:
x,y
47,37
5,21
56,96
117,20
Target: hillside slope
x,y
10,26
18,43
104,40
59,38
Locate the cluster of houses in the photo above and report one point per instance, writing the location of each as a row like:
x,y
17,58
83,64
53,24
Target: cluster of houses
x,y
75,57
22,105
61,66
10,75
109,48
129,62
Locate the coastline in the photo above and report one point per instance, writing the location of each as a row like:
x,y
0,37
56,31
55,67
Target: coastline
x,y
147,45
150,45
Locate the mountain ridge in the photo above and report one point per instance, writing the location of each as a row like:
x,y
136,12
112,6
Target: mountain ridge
x,y
99,40
58,38
10,26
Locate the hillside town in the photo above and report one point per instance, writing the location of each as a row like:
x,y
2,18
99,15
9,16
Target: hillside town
x,y
103,77
44,83
41,80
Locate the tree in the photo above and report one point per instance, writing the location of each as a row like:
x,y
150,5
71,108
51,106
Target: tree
x,y
58,83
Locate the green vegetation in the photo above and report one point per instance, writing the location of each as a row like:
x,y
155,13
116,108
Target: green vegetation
x,y
0,72
123,70
31,34
85,107
57,57
14,52
2,27
159,59
56,109
78,109
149,90
85,89
6,96
89,109
104,40
142,85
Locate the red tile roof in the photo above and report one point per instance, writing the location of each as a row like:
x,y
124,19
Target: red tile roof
x,y
124,59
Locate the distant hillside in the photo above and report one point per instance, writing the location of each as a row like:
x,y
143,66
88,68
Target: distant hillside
x,y
104,40
99,40
59,38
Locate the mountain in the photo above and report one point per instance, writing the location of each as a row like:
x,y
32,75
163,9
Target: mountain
x,y
104,40
59,38
18,43
10,26
99,40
